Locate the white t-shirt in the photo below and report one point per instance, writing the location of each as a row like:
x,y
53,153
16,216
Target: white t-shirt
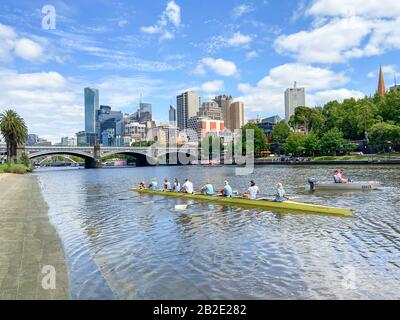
x,y
253,192
188,186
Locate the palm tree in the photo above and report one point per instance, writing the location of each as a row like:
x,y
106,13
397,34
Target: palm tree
x,y
14,131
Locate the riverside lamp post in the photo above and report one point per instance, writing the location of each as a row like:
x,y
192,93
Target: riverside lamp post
x,y
389,143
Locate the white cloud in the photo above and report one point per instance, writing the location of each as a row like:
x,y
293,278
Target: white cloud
x,y
251,55
173,12
169,21
322,97
239,39
267,96
219,66
353,29
213,86
346,8
242,9
28,49
11,44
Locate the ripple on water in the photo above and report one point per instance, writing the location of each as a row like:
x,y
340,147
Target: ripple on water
x,y
122,245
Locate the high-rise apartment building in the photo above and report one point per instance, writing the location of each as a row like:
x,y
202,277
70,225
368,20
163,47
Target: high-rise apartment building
x,y
188,104
294,97
91,109
235,115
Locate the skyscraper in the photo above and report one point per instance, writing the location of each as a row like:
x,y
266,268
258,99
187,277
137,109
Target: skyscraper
x,y
145,112
91,109
211,110
294,97
188,104
224,102
236,115
172,115
381,83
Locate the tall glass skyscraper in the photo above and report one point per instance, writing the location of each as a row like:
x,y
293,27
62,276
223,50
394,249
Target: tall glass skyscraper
x,y
91,109
145,112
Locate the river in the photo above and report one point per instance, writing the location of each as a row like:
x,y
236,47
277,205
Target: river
x,y
121,245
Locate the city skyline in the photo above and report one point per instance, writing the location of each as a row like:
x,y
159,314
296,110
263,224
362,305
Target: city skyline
x,y
254,51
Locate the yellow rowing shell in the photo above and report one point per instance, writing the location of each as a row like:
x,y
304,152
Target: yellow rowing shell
x,y
287,205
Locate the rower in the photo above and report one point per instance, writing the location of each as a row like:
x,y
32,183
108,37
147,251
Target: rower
x,y
187,187
207,189
167,185
227,190
142,185
336,177
252,191
153,184
281,193
177,186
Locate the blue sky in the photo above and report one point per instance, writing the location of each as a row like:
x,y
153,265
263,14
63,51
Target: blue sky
x,y
251,50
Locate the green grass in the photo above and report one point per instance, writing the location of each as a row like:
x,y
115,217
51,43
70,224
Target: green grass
x,y
14,168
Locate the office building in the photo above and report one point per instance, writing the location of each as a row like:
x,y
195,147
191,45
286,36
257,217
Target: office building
x,y
135,131
202,126
84,139
210,110
188,104
32,139
107,121
268,124
145,112
91,109
224,102
235,115
172,115
68,142
294,97
163,134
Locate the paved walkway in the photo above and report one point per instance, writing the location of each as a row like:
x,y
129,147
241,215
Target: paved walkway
x,y
28,242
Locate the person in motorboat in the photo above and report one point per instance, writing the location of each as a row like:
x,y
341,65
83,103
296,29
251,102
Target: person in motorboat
x,y
207,189
252,191
227,190
187,187
338,177
167,185
153,184
177,186
280,193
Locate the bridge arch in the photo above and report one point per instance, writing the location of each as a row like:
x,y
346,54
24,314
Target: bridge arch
x,y
141,158
81,154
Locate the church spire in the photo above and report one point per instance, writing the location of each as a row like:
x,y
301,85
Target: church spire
x,y
381,83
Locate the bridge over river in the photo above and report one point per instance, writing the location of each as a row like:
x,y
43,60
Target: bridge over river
x,y
144,156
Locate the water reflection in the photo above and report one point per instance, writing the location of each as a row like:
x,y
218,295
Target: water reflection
x,y
127,246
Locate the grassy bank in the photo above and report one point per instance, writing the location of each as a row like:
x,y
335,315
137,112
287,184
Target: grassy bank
x,y
14,168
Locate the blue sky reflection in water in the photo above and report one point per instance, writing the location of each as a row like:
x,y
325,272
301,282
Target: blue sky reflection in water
x,y
121,245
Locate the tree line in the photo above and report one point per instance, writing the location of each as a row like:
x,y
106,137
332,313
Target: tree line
x,y
332,128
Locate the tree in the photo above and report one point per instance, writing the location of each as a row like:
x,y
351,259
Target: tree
x,y
280,132
25,160
260,140
295,144
308,119
14,131
312,144
333,142
382,133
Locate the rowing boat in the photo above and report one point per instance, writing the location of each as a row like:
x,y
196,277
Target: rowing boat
x,y
260,203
